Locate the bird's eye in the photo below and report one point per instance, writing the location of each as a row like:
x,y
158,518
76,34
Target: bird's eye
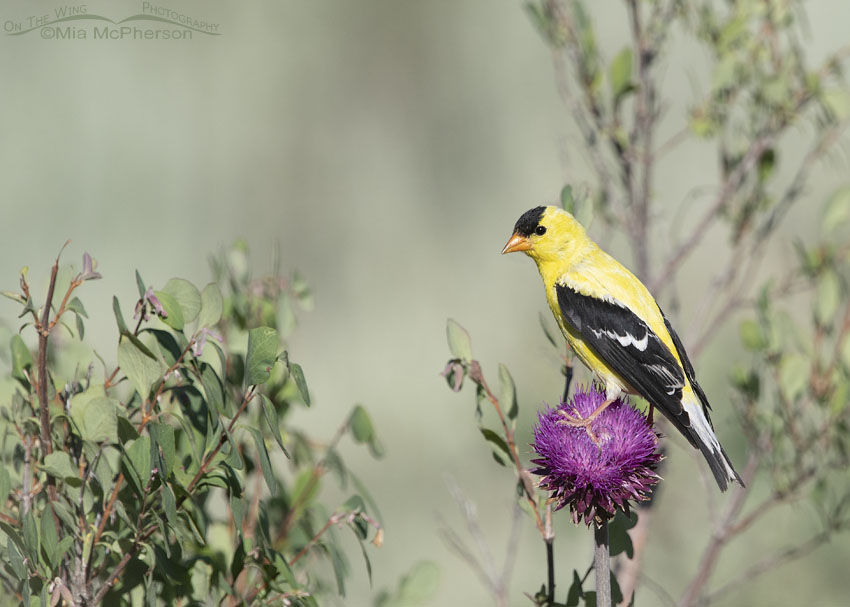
x,y
540,231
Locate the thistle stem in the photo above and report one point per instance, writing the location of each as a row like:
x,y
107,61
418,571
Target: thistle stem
x,y
602,564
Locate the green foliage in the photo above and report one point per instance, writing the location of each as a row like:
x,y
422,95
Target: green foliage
x,y
177,476
800,416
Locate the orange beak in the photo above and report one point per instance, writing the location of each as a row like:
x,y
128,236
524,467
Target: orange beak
x,y
517,243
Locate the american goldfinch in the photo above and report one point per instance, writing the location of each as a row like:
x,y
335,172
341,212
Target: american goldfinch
x,y
617,329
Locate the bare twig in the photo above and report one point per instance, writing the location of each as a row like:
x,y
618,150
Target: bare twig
x,y
26,475
484,566
721,532
317,472
768,563
641,136
729,187
141,537
658,589
477,376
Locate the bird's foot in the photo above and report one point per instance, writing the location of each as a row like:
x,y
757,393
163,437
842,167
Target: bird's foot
x,y
576,421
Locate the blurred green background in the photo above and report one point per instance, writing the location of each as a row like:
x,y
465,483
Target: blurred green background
x,y
386,148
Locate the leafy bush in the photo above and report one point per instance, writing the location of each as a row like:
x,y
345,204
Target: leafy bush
x,y
175,477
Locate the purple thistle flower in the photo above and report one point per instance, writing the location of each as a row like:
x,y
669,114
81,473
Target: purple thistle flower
x,y
595,481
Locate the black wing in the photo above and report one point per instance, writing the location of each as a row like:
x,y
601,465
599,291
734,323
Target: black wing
x,y
689,368
630,348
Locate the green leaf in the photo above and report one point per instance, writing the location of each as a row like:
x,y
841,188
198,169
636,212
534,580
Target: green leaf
x,y
96,418
837,209
140,284
568,200
173,313
584,211
81,327
340,566
265,464
416,588
167,345
302,291
169,503
283,569
793,375
64,514
828,299
76,306
297,374
619,539
30,536
620,74
59,465
270,414
361,425
751,335
306,484
49,538
575,592
286,320
845,353
501,447
507,392
262,353
21,358
838,102
137,462
119,318
616,593
64,545
187,297
459,342
16,561
213,389
725,72
5,484
141,369
163,436
211,306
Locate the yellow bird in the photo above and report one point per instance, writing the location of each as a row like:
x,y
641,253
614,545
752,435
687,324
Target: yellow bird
x,y
617,329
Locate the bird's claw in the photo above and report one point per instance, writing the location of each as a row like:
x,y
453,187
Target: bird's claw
x,y
579,422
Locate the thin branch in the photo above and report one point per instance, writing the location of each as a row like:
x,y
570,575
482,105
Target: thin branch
x,y
477,376
729,187
146,417
768,563
720,535
141,538
43,329
457,545
641,135
333,520
318,470
658,589
249,396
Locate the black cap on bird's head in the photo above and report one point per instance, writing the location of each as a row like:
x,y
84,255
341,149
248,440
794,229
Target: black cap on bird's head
x,y
529,221
547,233
525,226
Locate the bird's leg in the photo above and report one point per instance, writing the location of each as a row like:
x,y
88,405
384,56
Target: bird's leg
x,y
651,413
584,422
